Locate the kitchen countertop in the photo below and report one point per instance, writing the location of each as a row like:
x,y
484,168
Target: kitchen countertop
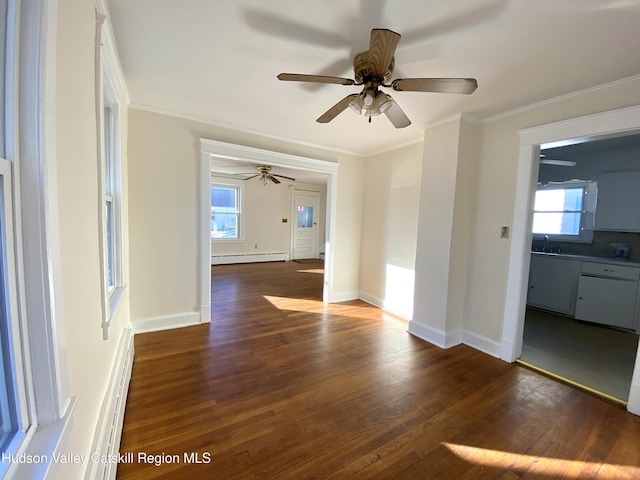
x,y
611,260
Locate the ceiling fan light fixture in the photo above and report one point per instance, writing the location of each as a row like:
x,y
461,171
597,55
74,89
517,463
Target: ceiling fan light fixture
x,y
355,106
383,102
366,100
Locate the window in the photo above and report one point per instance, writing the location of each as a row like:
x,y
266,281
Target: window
x,y
305,216
564,211
12,416
226,211
35,409
109,190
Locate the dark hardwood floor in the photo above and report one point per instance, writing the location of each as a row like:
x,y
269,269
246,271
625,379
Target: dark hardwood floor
x,y
281,386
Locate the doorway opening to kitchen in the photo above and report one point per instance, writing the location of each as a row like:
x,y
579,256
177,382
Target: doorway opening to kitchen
x,y
581,322
533,323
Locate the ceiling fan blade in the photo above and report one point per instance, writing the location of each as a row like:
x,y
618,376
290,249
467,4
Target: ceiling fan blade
x,y
282,176
438,85
559,163
339,107
274,179
252,176
382,47
298,77
395,114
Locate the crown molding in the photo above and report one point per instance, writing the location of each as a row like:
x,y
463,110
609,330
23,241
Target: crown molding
x,y
561,98
237,128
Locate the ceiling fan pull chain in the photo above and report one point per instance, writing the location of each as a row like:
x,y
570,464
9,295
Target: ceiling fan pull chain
x,y
369,119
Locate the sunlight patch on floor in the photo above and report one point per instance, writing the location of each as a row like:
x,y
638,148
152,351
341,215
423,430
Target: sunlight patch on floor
x,y
317,306
297,304
551,467
312,270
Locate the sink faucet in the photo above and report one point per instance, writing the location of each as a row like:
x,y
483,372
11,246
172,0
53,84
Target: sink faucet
x,y
545,243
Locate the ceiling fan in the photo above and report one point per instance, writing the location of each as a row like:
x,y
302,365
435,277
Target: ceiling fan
x,y
374,69
558,163
265,176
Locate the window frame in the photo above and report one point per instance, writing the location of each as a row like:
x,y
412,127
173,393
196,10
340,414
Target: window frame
x,y
17,349
46,409
237,185
587,213
109,183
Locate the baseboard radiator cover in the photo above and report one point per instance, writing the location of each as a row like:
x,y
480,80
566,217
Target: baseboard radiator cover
x,y
109,428
226,259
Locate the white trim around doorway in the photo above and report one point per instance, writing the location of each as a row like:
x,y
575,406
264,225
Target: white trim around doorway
x,y
597,126
230,151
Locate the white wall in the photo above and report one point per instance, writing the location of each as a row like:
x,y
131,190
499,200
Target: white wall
x,y
164,158
444,231
90,358
389,228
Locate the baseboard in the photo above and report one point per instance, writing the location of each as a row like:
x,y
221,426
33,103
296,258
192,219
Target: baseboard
x,y
434,336
371,299
633,405
106,440
380,303
482,343
248,258
167,322
344,297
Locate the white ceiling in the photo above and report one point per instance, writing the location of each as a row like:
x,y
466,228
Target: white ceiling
x,y
218,60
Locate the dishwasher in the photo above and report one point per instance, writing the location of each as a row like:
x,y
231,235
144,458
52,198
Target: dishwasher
x,y
607,294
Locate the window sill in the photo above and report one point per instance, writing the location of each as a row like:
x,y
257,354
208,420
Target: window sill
x,y
115,299
47,440
227,240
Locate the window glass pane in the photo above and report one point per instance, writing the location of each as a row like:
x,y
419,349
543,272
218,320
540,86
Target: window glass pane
x,y
558,200
108,150
8,413
224,199
305,216
556,223
110,246
224,225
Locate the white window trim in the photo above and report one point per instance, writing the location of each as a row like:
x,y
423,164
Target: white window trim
x,y
239,184
587,216
108,95
35,214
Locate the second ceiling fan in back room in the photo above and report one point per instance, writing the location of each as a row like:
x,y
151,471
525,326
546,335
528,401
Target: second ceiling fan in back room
x,y
374,69
265,176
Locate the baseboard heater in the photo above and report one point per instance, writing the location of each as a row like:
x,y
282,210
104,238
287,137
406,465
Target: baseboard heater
x,y
248,258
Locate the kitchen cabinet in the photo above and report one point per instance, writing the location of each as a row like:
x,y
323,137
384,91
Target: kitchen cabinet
x,y
553,283
607,294
618,200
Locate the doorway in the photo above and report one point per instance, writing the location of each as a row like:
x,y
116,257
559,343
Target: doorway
x,y
304,229
597,126
234,152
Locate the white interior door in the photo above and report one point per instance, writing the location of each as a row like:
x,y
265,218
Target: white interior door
x,y
306,210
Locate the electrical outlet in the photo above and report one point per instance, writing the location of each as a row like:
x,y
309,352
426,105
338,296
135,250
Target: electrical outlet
x,y
504,232
255,246
285,220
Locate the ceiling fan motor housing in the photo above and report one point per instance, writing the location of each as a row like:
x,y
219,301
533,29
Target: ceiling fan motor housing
x,y
362,74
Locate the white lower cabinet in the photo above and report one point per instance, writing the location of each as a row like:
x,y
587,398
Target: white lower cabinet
x,y
607,301
553,283
607,294
585,288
